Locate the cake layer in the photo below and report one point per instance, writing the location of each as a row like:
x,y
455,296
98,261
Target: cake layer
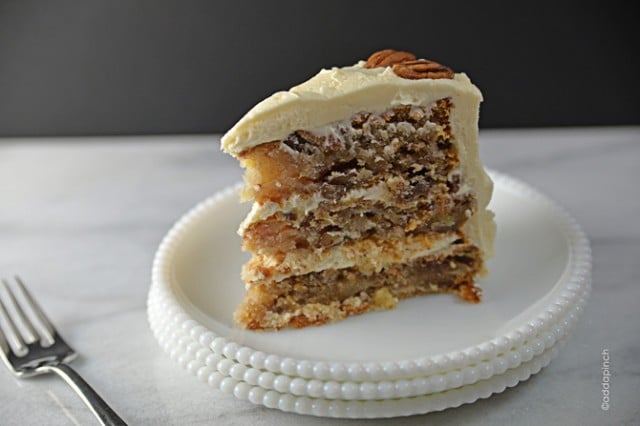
x,y
407,147
369,255
299,206
330,295
330,224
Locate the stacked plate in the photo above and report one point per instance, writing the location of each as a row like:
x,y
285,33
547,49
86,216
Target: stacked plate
x,y
429,354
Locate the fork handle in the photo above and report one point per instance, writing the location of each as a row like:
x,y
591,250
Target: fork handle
x,y
90,397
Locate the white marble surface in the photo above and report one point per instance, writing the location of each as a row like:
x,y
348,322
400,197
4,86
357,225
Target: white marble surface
x,y
80,220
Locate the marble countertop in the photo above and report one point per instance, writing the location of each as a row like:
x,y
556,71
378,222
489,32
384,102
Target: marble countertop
x,y
81,218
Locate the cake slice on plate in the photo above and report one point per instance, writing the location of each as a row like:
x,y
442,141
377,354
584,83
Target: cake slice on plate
x,y
367,188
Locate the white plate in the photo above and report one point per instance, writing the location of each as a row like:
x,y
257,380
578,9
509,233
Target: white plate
x,y
182,345
539,273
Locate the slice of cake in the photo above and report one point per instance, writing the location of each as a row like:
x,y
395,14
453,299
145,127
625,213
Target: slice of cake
x,y
367,188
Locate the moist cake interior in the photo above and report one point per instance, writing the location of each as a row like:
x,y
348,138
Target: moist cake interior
x,y
391,176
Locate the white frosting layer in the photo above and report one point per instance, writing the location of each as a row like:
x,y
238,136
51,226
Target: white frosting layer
x,y
337,94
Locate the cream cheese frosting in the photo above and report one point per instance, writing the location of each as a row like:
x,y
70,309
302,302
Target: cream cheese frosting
x,y
336,94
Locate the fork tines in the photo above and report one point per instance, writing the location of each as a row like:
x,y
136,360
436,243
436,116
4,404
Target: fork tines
x,y
22,321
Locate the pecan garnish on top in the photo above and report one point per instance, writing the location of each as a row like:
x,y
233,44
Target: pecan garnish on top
x,y
422,68
388,57
405,65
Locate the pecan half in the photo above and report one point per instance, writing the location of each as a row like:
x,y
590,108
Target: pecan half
x,y
421,68
387,57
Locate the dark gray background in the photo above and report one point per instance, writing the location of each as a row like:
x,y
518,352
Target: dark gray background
x,y
137,67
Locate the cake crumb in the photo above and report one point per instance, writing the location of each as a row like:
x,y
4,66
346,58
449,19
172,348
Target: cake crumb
x,y
383,299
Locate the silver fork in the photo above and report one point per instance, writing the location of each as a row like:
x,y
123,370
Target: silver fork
x,y
30,346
